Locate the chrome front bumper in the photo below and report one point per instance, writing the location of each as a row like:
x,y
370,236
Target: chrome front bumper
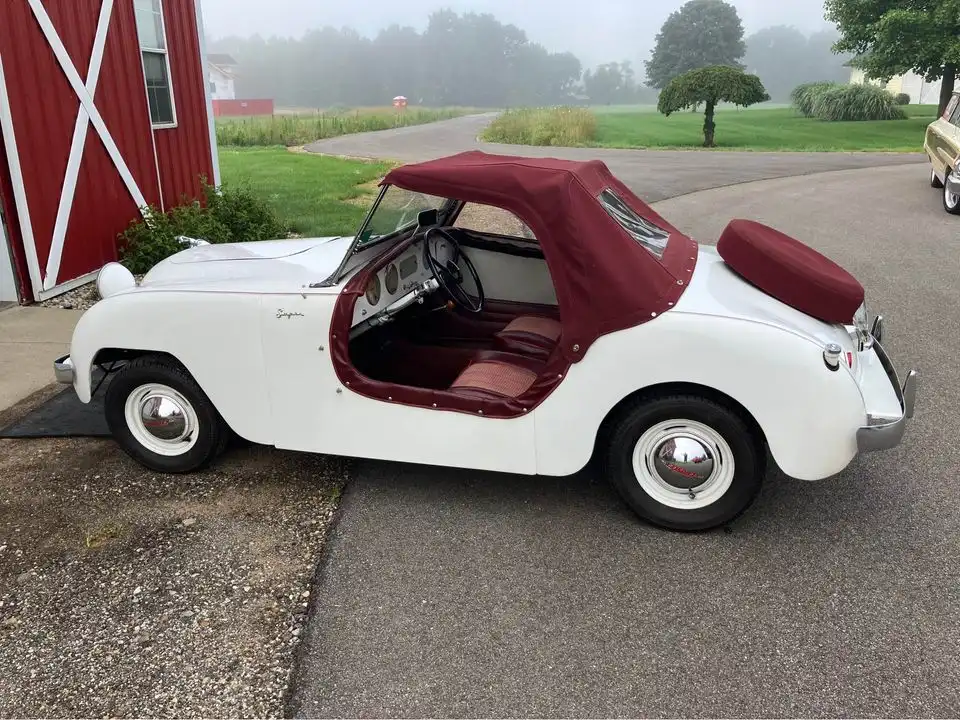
x,y
886,433
63,370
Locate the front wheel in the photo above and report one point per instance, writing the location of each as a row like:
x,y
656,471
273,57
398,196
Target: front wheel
x,y
951,202
684,462
934,180
162,418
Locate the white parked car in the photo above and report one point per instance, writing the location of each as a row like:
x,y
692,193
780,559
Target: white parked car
x,y
508,314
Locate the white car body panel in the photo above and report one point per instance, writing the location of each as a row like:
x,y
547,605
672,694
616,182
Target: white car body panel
x,y
313,411
249,327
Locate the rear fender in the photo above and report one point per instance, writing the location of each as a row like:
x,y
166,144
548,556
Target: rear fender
x,y
808,414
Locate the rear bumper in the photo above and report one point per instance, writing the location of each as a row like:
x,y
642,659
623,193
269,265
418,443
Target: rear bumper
x,y
63,370
883,433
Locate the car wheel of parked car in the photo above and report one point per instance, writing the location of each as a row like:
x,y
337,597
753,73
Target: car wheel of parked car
x,y
951,202
934,180
684,462
160,416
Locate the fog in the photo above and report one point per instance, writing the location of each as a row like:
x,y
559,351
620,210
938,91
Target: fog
x,y
595,31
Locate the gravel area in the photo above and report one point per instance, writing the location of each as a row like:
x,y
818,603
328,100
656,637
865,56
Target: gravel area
x,y
81,298
127,593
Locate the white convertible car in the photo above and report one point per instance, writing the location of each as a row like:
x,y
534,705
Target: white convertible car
x,y
510,314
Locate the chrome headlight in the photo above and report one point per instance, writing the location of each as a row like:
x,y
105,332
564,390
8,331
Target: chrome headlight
x,y
114,278
861,324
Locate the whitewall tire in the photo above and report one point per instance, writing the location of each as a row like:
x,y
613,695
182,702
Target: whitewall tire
x,y
951,202
934,180
162,418
684,462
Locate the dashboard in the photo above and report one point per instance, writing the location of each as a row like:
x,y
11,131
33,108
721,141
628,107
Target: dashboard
x,y
395,280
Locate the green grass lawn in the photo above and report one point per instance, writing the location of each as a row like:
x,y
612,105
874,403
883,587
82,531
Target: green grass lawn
x,y
763,129
311,193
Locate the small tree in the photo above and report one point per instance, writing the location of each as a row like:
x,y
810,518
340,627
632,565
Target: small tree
x,y
711,85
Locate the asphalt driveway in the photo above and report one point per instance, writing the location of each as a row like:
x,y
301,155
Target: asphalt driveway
x,y
450,593
655,175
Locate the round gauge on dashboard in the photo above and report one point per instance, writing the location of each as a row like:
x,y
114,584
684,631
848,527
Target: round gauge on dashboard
x,y
373,290
392,279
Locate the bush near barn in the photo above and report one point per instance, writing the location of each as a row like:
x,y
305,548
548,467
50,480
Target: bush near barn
x,y
226,214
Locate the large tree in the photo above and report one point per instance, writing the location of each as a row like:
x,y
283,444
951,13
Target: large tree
x,y
710,86
891,37
700,34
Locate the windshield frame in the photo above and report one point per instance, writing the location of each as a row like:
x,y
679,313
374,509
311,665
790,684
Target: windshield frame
x,y
355,247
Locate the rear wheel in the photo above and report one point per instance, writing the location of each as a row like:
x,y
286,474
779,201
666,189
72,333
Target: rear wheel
x,y
162,418
684,462
951,202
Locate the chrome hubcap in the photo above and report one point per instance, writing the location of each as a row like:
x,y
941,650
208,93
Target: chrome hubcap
x,y
683,464
950,197
161,419
164,418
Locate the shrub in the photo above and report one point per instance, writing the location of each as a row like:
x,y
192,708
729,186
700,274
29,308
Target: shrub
x,y
903,99
804,96
224,215
559,126
856,102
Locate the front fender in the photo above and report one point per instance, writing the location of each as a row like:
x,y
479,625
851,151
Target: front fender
x,y
216,336
808,414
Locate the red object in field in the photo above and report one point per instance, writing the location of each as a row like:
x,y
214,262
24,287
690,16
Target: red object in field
x,y
791,272
242,108
83,147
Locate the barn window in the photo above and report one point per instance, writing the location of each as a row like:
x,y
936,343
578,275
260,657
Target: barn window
x,y
156,62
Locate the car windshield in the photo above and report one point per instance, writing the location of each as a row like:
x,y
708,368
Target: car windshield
x,y
397,210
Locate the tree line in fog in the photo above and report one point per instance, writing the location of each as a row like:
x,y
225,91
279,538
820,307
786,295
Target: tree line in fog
x,y
474,60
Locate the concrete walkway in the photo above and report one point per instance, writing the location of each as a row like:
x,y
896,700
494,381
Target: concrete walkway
x,y
31,338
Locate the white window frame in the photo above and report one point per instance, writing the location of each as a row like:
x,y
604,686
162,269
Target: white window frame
x,y
165,51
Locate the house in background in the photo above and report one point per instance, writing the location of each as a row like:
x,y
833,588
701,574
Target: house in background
x,y
222,74
124,120
921,91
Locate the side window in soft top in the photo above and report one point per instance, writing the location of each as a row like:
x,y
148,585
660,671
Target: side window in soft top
x,y
491,220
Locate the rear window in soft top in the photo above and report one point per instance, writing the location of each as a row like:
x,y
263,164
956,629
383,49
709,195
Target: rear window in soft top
x,y
648,235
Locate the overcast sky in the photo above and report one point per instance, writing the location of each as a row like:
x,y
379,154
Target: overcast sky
x,y
595,30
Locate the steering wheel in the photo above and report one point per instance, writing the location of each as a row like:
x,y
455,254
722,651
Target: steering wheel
x,y
449,275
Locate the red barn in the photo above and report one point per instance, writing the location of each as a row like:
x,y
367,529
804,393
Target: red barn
x,y
104,109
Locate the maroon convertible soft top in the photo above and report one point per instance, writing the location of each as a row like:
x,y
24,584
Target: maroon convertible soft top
x,y
605,280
